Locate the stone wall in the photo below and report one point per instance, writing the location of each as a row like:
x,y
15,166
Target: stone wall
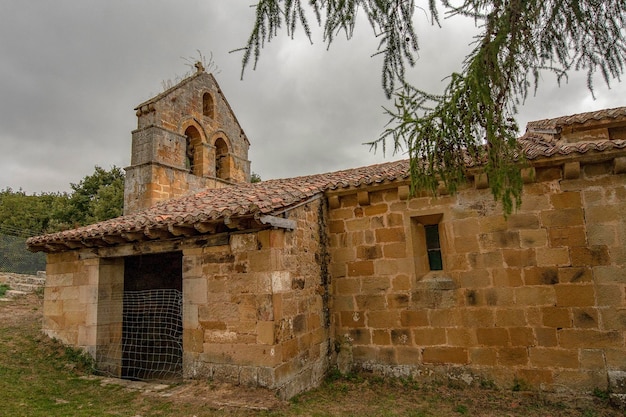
x,y
70,299
536,297
255,309
145,185
160,167
21,284
255,305
184,102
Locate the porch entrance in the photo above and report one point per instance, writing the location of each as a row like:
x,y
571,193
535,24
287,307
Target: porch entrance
x,y
152,324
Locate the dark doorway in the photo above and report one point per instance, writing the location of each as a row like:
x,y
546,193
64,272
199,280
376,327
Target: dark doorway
x,y
152,327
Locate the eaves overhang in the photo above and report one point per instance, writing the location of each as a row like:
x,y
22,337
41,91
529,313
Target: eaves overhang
x,y
168,231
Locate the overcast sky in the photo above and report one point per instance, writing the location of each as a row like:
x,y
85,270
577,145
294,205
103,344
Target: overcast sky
x,y
72,71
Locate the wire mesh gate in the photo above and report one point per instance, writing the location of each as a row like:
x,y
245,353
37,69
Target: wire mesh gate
x,y
151,346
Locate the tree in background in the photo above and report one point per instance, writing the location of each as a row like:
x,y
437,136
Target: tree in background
x,y
26,215
254,178
472,122
97,197
22,216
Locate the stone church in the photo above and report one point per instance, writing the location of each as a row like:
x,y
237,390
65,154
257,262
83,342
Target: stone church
x,y
271,284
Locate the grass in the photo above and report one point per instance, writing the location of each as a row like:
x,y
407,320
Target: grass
x,y
3,289
42,377
461,409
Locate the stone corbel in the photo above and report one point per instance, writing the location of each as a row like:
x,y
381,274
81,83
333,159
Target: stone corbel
x,y
114,240
333,202
233,224
481,181
619,165
279,222
363,197
156,234
442,189
571,170
205,227
528,175
403,192
133,236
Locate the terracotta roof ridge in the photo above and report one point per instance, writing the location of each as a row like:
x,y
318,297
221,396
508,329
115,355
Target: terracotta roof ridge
x,y
536,146
237,200
556,122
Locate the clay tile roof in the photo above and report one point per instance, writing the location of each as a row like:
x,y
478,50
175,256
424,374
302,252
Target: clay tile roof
x,y
542,138
580,118
541,146
273,197
263,198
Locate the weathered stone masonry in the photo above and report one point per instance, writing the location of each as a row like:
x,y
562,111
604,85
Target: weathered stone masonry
x,y
256,314
285,278
254,305
537,296
187,139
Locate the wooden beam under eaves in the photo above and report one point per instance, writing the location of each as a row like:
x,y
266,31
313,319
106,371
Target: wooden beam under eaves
x,y
133,236
114,240
186,231
156,234
234,224
205,227
70,244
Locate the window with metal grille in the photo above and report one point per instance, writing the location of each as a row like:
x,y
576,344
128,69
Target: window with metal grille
x,y
427,243
433,247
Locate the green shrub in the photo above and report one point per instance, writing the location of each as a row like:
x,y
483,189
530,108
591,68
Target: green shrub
x,y
3,289
600,393
520,385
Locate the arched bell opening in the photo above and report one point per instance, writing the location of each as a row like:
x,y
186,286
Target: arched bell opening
x,y
192,151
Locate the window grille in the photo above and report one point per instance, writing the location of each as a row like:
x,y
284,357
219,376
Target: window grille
x,y
433,247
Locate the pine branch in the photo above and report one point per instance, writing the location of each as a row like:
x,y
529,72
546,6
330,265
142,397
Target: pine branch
x,y
472,122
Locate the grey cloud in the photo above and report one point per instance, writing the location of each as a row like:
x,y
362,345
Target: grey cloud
x,y
73,70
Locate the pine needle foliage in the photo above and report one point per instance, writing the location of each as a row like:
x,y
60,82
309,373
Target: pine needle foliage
x,y
471,124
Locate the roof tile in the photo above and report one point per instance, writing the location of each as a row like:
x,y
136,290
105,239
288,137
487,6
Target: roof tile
x,y
615,113
272,196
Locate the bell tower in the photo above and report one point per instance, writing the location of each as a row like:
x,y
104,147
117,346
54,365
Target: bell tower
x,y
187,139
